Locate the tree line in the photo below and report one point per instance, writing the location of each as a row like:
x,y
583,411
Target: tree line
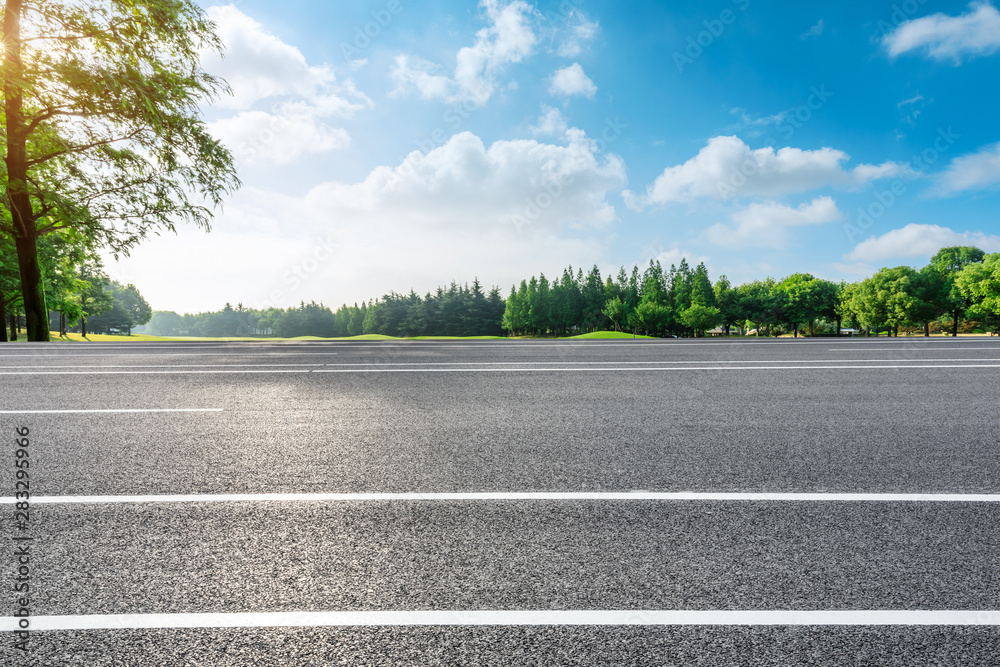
x,y
80,296
959,289
454,311
960,283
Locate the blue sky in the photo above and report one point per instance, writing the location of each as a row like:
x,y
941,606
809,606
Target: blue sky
x,y
395,145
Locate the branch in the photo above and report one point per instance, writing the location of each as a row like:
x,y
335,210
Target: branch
x,y
84,147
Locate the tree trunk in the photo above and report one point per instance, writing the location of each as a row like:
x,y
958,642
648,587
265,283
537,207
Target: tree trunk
x,y
927,329
796,330
12,318
83,326
3,320
954,324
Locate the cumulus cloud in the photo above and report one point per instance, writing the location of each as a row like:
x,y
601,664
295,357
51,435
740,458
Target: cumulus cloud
x,y
277,138
463,185
551,122
262,70
915,240
572,81
949,38
767,224
498,211
977,171
509,38
580,33
728,168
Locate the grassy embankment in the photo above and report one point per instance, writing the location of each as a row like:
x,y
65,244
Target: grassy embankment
x,y
145,338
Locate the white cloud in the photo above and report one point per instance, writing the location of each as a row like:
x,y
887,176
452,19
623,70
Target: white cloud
x,y
261,137
915,240
500,212
949,38
814,31
303,98
551,122
581,32
509,38
728,168
674,255
767,224
463,185
976,171
572,81
258,66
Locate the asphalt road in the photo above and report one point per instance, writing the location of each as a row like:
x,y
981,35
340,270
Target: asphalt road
x,y
817,416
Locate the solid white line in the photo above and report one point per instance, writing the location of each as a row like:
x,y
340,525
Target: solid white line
x,y
516,496
231,365
650,368
904,349
513,617
77,412
500,363
243,353
508,370
181,372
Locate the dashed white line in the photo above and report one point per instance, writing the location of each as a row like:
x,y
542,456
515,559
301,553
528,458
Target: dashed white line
x,y
513,617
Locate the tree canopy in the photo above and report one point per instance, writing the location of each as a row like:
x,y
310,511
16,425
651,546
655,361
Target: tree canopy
x,y
102,129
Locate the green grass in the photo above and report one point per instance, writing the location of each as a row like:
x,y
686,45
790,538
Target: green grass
x,y
606,335
146,338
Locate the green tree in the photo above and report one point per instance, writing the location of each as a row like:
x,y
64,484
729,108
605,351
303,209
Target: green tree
x,y
102,126
165,323
979,283
614,310
128,310
95,295
701,318
949,262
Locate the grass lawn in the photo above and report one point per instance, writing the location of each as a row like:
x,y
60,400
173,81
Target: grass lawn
x,y
606,335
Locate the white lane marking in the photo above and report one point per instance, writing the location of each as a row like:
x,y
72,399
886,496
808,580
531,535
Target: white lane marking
x,y
516,495
498,363
78,412
513,617
249,365
507,370
650,368
244,353
652,361
905,349
182,372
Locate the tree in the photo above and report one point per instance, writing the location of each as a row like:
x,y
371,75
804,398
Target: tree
x,y
727,301
980,284
128,310
94,296
614,310
102,126
165,323
701,318
949,262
